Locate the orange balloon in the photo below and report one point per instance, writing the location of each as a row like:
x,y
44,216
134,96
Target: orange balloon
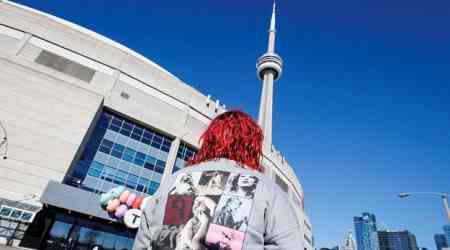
x,y
124,196
112,205
137,202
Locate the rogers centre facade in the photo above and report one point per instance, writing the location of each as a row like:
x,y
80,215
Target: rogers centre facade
x,y
80,114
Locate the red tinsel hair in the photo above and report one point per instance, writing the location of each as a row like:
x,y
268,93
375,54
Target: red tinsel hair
x,y
232,135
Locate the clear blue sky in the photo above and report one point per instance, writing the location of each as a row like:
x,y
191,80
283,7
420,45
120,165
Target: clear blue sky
x,y
362,111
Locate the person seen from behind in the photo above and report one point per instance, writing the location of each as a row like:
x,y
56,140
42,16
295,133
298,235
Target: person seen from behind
x,y
221,200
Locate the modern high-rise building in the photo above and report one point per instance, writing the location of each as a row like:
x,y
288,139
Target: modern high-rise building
x,y
397,240
440,241
349,242
447,234
80,114
366,232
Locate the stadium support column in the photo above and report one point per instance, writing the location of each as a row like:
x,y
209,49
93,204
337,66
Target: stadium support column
x,y
172,157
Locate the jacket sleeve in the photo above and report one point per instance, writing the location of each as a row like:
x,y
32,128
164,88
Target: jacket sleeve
x,y
283,229
143,238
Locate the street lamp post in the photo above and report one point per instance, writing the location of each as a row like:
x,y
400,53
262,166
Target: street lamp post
x,y
444,197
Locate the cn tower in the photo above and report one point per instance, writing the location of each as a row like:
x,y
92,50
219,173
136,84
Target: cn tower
x,y
268,68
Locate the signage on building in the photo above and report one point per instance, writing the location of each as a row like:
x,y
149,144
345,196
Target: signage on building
x,y
132,218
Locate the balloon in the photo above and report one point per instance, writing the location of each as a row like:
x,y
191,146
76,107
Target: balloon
x,y
105,198
144,202
117,191
112,205
124,196
120,211
137,202
131,199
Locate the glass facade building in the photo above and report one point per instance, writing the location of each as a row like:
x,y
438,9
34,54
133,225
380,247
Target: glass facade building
x,y
366,232
120,152
440,241
447,234
397,240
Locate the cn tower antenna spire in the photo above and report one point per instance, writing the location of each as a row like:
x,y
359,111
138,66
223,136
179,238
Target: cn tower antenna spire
x,y
272,30
272,21
268,68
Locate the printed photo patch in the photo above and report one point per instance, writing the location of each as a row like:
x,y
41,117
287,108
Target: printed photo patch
x,y
167,238
212,182
185,184
223,238
233,212
194,231
178,209
242,185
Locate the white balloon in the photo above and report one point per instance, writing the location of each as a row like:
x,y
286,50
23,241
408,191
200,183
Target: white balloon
x,y
144,202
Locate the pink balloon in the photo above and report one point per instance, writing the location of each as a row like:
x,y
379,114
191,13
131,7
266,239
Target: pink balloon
x,y
131,199
120,211
124,196
112,205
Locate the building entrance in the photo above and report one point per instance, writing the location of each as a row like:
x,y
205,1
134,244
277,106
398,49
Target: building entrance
x,y
76,231
71,233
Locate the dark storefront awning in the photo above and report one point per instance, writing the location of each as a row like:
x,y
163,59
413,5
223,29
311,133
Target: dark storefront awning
x,y
74,199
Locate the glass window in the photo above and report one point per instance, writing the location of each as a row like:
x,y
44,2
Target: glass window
x,y
147,137
146,148
107,143
142,184
158,139
126,128
120,243
167,143
160,165
165,149
120,177
16,214
108,173
137,133
96,169
116,124
139,159
119,148
128,154
104,120
5,211
152,187
155,144
185,152
105,150
132,181
26,216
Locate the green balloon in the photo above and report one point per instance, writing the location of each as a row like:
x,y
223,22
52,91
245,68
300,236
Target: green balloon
x,y
105,198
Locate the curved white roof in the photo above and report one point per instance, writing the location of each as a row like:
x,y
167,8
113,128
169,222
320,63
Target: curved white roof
x,y
93,35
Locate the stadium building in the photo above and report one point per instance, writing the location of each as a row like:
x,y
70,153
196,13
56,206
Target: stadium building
x,y
80,114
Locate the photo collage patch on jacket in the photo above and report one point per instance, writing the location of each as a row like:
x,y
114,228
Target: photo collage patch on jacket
x,y
207,210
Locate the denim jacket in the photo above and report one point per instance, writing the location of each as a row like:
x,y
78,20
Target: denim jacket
x,y
219,205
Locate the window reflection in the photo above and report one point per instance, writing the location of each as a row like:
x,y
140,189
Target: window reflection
x,y
117,150
70,233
